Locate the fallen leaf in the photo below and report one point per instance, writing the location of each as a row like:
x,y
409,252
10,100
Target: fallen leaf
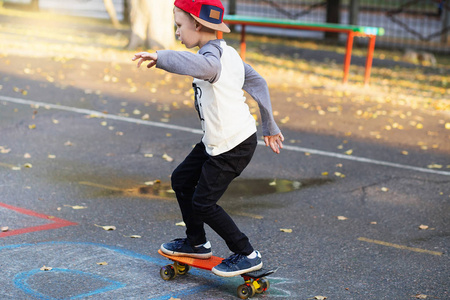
x,y
423,227
349,152
320,297
107,228
339,174
4,229
384,189
4,150
133,236
286,230
420,296
32,126
167,157
152,182
27,155
435,166
285,120
44,268
76,206
342,218
103,263
182,224
28,165
68,143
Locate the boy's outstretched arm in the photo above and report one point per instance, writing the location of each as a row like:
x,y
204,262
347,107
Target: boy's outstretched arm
x,y
143,56
275,142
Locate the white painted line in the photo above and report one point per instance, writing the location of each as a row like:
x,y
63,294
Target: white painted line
x,y
197,131
99,114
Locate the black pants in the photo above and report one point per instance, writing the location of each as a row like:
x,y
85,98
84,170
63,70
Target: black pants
x,y
199,182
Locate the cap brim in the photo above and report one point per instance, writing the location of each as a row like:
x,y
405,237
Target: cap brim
x,y
219,27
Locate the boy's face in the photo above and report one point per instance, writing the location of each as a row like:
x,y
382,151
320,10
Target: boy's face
x,y
187,31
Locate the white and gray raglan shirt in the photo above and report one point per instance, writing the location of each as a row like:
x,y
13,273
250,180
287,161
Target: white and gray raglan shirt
x,y
220,76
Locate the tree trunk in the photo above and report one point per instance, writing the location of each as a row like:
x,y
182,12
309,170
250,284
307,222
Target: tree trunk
x,y
333,16
126,12
34,5
152,24
111,12
353,12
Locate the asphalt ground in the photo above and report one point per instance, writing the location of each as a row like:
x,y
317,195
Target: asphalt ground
x,y
342,216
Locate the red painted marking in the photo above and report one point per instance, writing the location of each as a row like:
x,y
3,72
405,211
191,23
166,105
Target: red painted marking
x,y
56,222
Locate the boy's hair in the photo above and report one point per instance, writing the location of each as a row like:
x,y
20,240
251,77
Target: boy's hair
x,y
209,13
204,28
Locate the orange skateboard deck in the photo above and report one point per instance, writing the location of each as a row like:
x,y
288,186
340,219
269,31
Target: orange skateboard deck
x,y
255,282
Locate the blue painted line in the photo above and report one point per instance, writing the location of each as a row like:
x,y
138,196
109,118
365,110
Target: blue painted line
x,y
186,292
21,278
21,281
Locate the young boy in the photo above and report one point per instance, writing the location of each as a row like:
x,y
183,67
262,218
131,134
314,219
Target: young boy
x,y
229,139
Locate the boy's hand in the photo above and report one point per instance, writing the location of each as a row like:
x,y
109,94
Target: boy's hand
x,y
275,142
143,56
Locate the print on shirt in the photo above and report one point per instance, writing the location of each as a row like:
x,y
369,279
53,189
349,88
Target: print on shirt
x,y
198,104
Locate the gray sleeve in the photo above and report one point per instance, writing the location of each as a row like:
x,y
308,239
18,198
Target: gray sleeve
x,y
257,87
204,65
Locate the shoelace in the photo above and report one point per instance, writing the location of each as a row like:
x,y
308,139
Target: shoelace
x,y
233,259
179,243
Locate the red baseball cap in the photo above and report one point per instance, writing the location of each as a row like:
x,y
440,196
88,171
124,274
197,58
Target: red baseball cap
x,y
209,13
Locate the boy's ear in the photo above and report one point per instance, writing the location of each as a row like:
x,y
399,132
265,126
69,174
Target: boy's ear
x,y
198,26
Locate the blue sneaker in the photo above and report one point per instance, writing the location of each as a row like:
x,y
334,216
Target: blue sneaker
x,y
181,247
238,264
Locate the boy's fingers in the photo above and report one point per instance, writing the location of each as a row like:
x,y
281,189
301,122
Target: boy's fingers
x,y
136,56
140,62
280,142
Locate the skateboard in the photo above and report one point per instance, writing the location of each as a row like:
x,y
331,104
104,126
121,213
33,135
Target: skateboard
x,y
254,282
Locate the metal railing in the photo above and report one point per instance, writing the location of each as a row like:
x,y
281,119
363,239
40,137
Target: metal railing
x,y
408,24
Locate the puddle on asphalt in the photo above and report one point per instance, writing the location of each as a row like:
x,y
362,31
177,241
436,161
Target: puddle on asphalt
x,y
240,188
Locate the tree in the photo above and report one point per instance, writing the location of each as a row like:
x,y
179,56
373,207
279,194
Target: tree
x,y
152,24
34,5
111,12
333,16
